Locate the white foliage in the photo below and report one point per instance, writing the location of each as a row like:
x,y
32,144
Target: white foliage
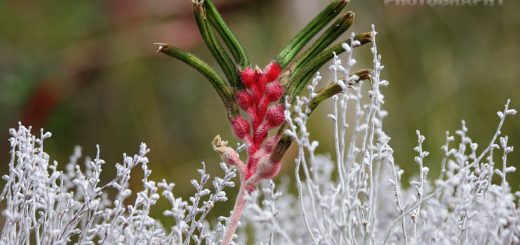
x,y
46,206
356,197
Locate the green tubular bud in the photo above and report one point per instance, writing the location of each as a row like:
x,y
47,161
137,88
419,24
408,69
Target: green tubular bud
x,y
223,59
334,88
301,77
329,36
223,90
309,31
227,35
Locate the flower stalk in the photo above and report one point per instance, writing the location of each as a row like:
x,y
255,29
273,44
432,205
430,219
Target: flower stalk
x,y
254,98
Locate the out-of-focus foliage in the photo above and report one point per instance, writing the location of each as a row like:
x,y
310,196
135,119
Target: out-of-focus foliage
x,y
87,71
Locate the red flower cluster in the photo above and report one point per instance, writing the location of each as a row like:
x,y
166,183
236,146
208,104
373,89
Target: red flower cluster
x,y
260,101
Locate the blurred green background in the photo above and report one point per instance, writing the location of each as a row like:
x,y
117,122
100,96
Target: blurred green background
x,y
88,72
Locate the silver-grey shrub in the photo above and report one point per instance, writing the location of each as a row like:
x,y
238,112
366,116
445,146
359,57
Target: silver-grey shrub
x,y
355,197
46,206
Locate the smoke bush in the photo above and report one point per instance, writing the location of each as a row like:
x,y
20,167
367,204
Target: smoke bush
x,y
354,197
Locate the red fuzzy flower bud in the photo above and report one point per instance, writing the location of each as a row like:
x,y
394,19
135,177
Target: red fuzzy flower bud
x,y
240,127
272,71
274,91
275,116
244,100
248,77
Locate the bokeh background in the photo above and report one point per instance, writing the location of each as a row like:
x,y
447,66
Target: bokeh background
x,y
88,72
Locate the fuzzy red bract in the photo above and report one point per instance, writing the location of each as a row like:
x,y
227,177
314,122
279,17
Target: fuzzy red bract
x,y
248,76
272,71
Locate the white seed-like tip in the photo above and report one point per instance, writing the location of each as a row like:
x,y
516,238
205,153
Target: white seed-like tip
x,y
160,46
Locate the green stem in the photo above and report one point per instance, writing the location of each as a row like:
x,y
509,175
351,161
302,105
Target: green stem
x,y
309,31
225,62
227,35
224,90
